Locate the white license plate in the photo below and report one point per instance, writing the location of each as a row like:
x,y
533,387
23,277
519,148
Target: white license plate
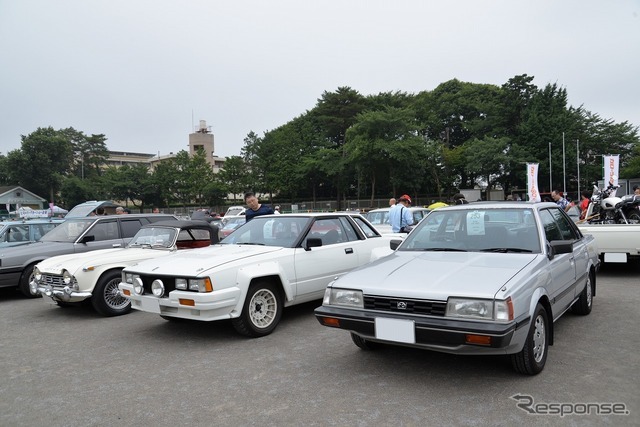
x,y
397,330
151,305
615,257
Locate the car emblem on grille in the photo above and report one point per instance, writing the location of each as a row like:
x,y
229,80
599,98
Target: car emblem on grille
x,y
402,305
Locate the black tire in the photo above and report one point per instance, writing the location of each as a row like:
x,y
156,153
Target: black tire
x,y
363,343
261,311
25,279
532,358
584,304
106,298
634,217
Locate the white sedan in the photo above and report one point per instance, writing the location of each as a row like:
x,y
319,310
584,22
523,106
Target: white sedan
x,y
95,275
268,263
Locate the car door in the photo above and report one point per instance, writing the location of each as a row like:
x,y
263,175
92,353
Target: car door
x,y
106,235
318,266
562,266
580,252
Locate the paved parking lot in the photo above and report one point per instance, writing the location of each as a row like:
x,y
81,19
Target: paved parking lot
x,y
71,367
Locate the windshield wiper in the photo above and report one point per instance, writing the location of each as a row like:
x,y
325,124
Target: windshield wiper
x,y
250,243
504,250
441,249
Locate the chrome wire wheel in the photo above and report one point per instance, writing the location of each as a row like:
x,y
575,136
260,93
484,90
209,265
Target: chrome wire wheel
x,y
112,296
263,308
539,339
589,297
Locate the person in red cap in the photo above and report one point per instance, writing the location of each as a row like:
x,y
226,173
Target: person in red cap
x,y
400,218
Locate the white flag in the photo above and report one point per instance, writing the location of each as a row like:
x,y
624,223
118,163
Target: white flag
x,y
611,166
532,182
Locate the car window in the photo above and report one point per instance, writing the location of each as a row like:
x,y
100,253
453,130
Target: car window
x,y
566,230
350,233
329,230
551,230
68,231
104,230
366,228
129,227
268,231
40,230
154,236
17,233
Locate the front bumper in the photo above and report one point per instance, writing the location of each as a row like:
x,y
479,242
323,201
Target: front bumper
x,y
204,306
433,333
66,293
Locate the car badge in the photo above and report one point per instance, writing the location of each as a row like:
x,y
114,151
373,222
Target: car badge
x,y
401,305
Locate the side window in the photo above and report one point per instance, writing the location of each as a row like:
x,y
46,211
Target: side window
x,y
104,230
329,230
563,225
130,227
368,231
18,233
551,230
351,234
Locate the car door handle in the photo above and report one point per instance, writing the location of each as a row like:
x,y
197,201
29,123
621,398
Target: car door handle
x,y
348,251
116,245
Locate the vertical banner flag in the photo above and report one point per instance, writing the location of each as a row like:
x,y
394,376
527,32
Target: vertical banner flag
x,y
611,166
532,182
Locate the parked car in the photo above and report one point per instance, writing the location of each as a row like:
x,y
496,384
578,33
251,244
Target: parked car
x,y
230,224
21,232
380,217
234,211
74,235
481,278
270,262
95,275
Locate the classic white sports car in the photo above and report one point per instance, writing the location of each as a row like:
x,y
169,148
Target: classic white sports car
x,y
480,278
70,279
268,263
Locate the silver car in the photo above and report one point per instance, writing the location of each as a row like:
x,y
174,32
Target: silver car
x,y
481,278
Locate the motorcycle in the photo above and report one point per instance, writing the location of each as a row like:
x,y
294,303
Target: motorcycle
x,y
606,208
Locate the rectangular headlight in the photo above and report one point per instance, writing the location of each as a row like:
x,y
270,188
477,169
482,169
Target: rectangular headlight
x,y
129,277
181,284
343,297
200,285
470,308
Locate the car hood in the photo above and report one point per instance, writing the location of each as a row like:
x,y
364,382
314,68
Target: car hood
x,y
121,256
197,261
436,275
35,248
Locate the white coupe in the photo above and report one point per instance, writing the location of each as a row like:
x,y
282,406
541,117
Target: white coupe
x,y
268,263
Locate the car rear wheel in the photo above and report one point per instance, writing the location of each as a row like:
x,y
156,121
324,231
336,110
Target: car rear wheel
x,y
107,299
261,311
532,358
25,279
585,301
363,343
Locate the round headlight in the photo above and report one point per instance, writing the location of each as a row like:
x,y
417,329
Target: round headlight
x,y
67,277
37,274
157,287
138,287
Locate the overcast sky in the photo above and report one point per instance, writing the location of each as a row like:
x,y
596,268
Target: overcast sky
x,y
144,72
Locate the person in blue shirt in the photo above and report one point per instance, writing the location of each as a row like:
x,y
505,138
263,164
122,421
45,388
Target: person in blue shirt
x,y
400,217
254,207
560,200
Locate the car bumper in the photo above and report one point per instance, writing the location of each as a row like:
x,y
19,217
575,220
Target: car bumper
x,y
57,293
439,334
204,306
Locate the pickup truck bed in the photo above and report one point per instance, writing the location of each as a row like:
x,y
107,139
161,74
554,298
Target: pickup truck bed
x,y
616,242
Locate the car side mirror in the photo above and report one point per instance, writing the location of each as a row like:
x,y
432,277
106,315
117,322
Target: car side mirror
x,y
393,244
88,238
313,242
557,247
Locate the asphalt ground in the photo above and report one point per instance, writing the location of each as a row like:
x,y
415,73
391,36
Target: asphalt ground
x,y
71,367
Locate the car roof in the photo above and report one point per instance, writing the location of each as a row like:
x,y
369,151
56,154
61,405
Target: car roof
x,y
410,208
32,221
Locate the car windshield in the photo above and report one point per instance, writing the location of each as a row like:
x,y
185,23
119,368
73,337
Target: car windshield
x,y
278,231
232,223
68,231
154,237
476,230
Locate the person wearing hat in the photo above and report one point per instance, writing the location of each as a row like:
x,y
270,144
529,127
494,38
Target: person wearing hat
x,y
400,218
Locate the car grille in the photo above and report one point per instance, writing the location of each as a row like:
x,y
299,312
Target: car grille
x,y
55,280
168,281
404,305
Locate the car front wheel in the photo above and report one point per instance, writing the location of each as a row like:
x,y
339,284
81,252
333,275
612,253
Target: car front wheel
x,y
261,311
107,299
25,279
533,356
363,343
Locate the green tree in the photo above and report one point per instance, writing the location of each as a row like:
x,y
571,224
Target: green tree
x,y
233,176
